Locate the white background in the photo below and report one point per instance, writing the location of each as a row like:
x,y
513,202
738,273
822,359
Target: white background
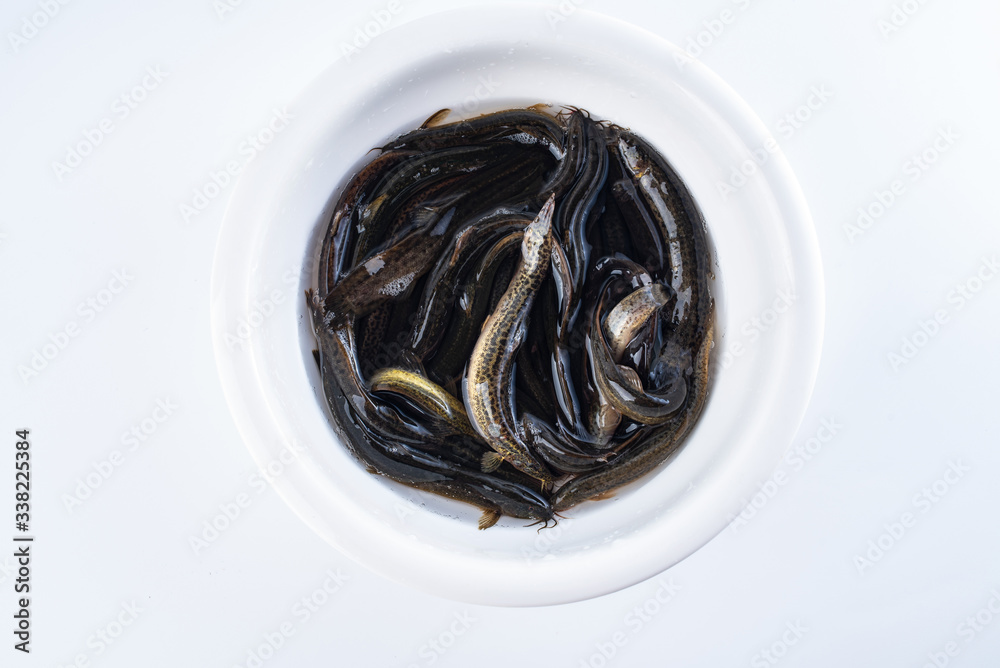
x,y
806,558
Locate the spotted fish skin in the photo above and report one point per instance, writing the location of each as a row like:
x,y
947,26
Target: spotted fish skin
x,y
487,386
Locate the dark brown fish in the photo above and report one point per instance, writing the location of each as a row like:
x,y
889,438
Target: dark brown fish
x,y
489,376
583,361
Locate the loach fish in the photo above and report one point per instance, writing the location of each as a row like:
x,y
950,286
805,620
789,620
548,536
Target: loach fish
x,y
653,450
444,282
588,153
621,386
614,274
344,219
512,126
629,316
682,226
489,376
387,276
458,329
391,274
428,396
689,339
404,191
382,440
624,326
471,314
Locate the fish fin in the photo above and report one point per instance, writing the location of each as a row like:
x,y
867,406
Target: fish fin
x,y
491,461
426,218
372,207
433,120
609,418
630,375
490,517
603,496
526,429
410,361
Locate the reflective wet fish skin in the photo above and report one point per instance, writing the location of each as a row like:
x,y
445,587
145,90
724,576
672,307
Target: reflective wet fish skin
x,y
430,397
643,349
618,276
496,127
629,316
651,453
642,228
682,225
573,212
390,274
588,158
385,277
472,308
445,281
670,204
489,375
399,460
406,188
620,391
344,219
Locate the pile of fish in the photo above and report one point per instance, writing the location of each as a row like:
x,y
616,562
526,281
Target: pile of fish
x,y
514,311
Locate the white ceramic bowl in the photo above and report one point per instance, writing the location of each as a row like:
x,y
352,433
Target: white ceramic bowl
x,y
478,60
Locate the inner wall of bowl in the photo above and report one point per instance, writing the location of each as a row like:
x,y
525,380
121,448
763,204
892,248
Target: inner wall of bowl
x,y
686,132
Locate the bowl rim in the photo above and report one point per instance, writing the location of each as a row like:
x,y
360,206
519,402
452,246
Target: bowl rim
x,y
487,580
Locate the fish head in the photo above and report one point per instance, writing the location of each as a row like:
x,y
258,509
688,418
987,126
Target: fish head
x,y
538,234
632,158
